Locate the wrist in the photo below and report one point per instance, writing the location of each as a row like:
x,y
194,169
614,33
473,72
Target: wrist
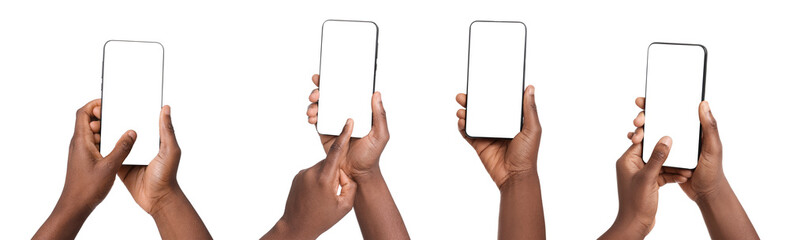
x,y
720,191
370,175
174,197
74,204
514,179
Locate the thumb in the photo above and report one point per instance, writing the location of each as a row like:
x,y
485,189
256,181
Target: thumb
x,y
347,193
531,121
659,156
122,148
711,141
166,129
380,127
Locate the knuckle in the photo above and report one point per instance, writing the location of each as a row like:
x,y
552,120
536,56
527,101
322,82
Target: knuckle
x,y
169,126
176,151
714,124
336,146
346,205
126,144
660,153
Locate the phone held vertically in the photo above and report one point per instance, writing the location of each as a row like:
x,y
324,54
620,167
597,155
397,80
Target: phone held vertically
x,y
349,51
131,96
495,79
675,82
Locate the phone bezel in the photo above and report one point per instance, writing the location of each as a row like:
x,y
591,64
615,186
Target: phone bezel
x,y
703,91
468,65
320,61
103,58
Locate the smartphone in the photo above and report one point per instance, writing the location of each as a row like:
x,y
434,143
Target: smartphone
x,y
131,97
495,79
349,50
676,74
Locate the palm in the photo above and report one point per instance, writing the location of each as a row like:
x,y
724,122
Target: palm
x,y
365,152
502,157
702,178
362,153
147,184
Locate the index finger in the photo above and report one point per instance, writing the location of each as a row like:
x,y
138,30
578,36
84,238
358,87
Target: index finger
x,y
84,116
461,99
337,151
641,102
316,79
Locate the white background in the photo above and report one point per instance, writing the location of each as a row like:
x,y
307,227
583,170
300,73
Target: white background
x,y
238,75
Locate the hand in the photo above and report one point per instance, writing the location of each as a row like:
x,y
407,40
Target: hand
x,y
89,176
708,176
504,158
155,185
313,205
155,188
364,153
638,187
638,183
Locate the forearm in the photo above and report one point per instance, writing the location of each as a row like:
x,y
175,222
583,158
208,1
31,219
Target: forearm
x,y
376,210
177,219
725,216
64,222
520,214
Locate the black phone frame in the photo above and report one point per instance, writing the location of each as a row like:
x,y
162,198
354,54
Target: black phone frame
x,y
703,91
468,65
103,58
375,63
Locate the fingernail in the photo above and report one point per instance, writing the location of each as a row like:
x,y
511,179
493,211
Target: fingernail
x,y
666,140
167,109
132,134
348,122
530,90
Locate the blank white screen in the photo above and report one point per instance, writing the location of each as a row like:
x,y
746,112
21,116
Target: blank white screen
x,y
495,79
348,53
132,97
675,75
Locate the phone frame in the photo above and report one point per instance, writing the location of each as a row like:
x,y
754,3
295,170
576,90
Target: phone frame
x,y
375,62
703,91
103,58
468,65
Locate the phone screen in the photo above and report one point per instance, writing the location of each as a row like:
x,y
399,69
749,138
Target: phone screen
x,y
347,76
674,89
496,68
131,97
